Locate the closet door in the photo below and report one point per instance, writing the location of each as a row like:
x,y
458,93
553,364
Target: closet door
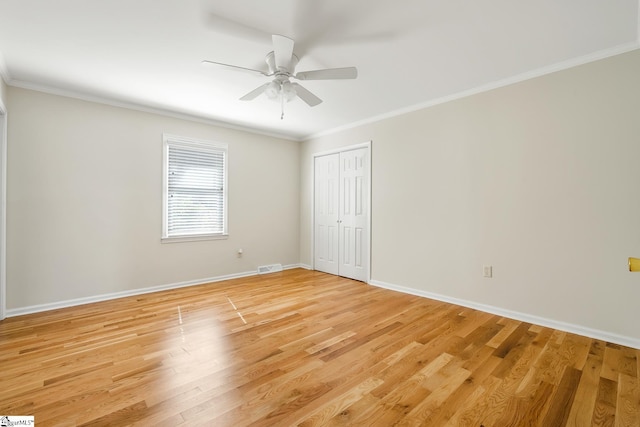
x,y
341,221
326,213
353,221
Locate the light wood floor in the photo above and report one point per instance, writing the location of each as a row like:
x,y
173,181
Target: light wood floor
x,y
306,348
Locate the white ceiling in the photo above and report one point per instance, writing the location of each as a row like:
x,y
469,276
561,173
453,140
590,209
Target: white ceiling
x,y
409,53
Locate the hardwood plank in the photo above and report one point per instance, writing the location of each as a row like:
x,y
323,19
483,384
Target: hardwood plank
x,y
562,398
612,362
451,406
475,411
509,326
604,413
526,411
306,348
628,401
335,406
452,381
587,392
404,398
499,404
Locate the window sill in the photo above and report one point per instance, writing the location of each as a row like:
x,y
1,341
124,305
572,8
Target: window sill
x,y
194,238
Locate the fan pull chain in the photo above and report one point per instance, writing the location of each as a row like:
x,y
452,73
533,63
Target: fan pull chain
x,y
281,107
281,101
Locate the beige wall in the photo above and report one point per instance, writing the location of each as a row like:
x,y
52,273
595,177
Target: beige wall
x,y
85,206
538,179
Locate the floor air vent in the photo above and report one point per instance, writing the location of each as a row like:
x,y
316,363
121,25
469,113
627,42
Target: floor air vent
x,y
271,268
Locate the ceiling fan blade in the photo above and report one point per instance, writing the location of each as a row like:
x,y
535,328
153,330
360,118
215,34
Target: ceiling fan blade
x,y
254,93
306,96
328,74
235,67
283,50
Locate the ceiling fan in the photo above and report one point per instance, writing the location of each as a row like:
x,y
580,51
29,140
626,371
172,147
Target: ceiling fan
x,y
281,63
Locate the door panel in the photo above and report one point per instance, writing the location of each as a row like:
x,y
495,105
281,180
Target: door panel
x,y
354,218
326,213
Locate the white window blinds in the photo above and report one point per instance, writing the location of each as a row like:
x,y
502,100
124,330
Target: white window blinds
x,y
195,192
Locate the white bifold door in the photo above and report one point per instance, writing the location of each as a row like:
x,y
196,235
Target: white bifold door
x,y
341,213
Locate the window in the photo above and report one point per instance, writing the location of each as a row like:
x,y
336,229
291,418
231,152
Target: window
x,y
195,189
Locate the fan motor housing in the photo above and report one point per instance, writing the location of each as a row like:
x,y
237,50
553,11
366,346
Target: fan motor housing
x,y
270,59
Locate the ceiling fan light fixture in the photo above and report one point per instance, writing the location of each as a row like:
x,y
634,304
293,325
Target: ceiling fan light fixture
x,y
280,90
288,92
273,90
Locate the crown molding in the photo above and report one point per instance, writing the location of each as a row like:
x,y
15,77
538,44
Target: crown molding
x,y
144,108
559,66
4,71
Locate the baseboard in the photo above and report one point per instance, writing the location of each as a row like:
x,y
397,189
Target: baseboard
x,y
305,266
292,266
523,317
105,297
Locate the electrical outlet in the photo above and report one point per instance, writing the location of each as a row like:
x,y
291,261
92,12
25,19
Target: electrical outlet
x,y
487,271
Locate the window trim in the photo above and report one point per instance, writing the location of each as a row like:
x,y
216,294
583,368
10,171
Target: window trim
x,y
175,140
